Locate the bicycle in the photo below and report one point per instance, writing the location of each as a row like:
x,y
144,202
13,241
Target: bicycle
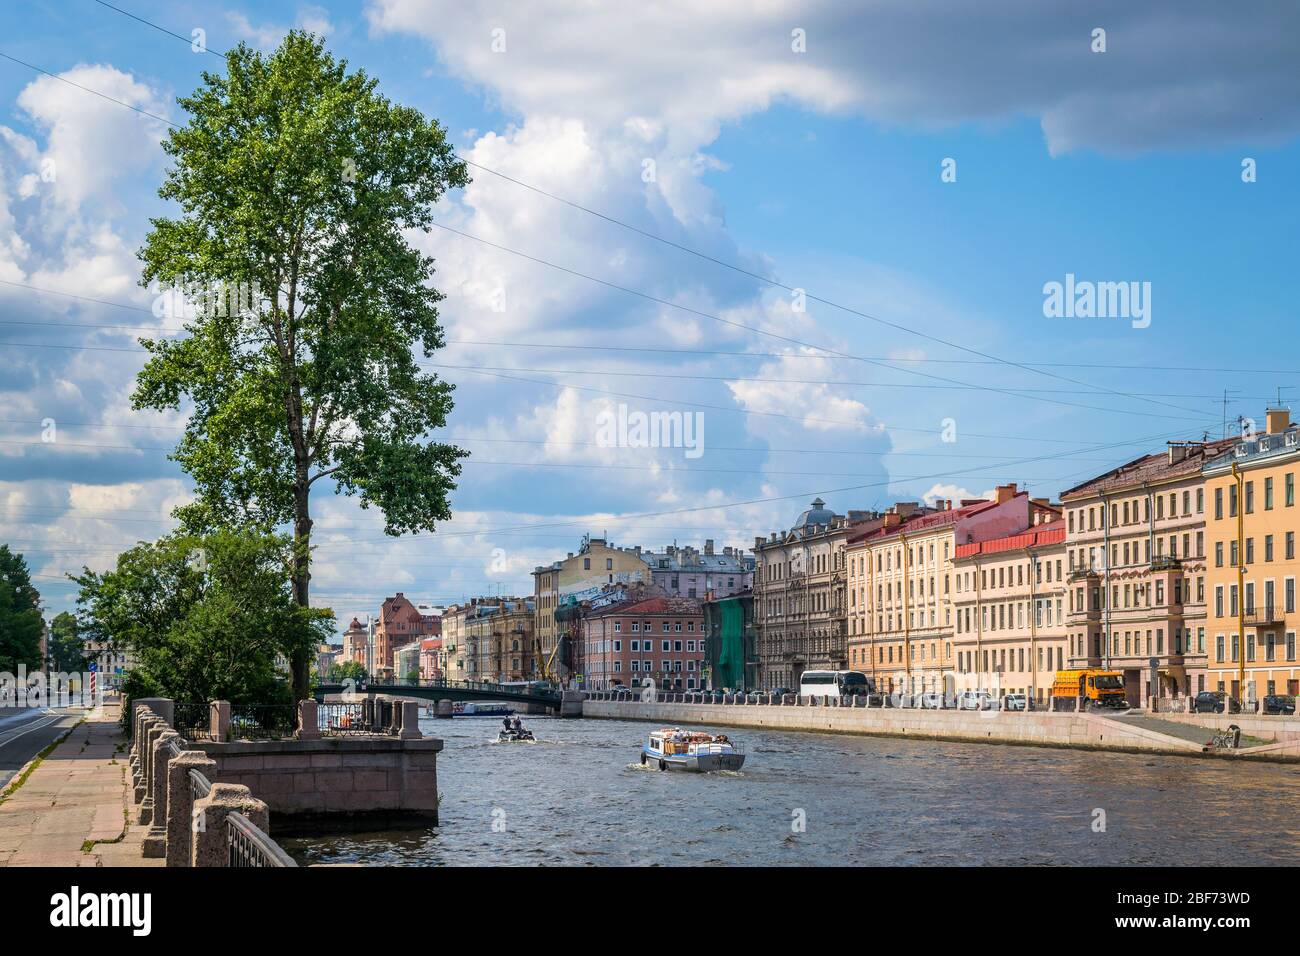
x,y
1229,739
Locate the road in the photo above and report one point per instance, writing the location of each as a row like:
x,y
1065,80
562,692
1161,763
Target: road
x,y
26,731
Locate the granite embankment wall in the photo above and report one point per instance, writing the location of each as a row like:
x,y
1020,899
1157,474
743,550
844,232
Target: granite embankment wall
x,y
1087,731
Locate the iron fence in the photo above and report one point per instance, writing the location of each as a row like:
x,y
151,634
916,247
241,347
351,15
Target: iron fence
x,y
342,720
262,721
192,720
249,847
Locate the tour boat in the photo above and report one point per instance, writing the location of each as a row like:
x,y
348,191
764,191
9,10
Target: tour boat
x,y
677,749
462,709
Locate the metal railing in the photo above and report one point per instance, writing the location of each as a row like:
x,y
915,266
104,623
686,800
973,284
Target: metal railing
x,y
192,720
342,720
262,721
248,846
200,786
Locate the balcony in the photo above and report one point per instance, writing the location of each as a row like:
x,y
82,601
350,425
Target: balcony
x,y
1261,615
1165,562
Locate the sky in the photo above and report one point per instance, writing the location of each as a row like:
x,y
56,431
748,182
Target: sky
x,y
823,231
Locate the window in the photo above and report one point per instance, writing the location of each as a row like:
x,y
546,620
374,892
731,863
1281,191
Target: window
x,y
1268,494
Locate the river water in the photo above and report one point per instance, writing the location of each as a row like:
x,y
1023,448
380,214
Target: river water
x,y
580,796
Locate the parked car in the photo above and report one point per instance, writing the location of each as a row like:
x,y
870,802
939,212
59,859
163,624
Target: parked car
x,y
1279,704
1016,702
975,700
1213,702
932,700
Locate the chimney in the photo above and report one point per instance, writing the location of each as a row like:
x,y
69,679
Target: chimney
x,y
1006,492
1278,419
1177,452
708,545
892,518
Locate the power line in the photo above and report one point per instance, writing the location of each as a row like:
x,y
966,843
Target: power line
x,y
732,266
658,350
670,304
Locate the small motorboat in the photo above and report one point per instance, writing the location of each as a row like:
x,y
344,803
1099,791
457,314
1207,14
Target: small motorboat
x,y
675,749
515,736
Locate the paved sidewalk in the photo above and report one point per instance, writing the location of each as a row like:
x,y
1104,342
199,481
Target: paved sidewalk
x,y
1171,728
72,810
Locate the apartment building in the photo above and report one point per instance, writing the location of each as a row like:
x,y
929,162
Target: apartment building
x,y
1251,529
495,639
1009,632
800,594
703,574
901,585
401,622
597,564
656,639
1136,553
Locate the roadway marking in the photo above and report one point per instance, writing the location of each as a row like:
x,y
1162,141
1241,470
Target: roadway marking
x,y
52,719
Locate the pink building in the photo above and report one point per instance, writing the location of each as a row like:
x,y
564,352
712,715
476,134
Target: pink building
x,y
656,638
431,658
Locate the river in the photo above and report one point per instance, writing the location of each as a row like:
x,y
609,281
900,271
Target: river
x,y
580,796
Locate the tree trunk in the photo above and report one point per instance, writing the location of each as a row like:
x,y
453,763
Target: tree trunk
x,y
301,578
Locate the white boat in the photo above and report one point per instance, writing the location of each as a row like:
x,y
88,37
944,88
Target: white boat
x,y
515,736
675,749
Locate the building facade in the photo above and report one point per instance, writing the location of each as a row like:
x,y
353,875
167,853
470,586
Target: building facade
x,y
800,594
1251,527
581,576
401,622
631,643
731,643
1009,631
692,573
901,626
1136,556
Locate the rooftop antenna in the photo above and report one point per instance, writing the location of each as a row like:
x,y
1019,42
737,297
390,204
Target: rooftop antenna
x,y
1225,409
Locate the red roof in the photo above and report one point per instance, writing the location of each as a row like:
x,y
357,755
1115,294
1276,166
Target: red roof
x,y
1052,532
431,643
654,605
932,520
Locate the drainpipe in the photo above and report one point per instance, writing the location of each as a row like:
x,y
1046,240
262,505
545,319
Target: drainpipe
x,y
1106,594
1033,620
1239,478
907,625
979,625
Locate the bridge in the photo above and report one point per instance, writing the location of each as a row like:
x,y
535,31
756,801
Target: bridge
x,y
462,690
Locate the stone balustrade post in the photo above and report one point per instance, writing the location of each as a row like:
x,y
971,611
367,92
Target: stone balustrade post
x,y
210,847
308,720
156,729
155,841
144,745
219,720
410,729
180,803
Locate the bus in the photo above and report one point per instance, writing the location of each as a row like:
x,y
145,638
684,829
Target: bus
x,y
834,684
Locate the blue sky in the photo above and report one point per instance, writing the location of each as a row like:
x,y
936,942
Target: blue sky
x,y
818,170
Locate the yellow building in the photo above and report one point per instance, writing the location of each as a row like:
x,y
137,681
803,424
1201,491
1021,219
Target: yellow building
x,y
577,578
1251,526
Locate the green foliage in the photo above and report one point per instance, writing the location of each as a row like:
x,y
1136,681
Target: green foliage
x,y
21,624
413,675
208,617
340,672
296,178
66,648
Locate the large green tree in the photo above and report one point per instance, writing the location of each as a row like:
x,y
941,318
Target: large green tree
x,y
21,623
207,617
294,178
66,647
